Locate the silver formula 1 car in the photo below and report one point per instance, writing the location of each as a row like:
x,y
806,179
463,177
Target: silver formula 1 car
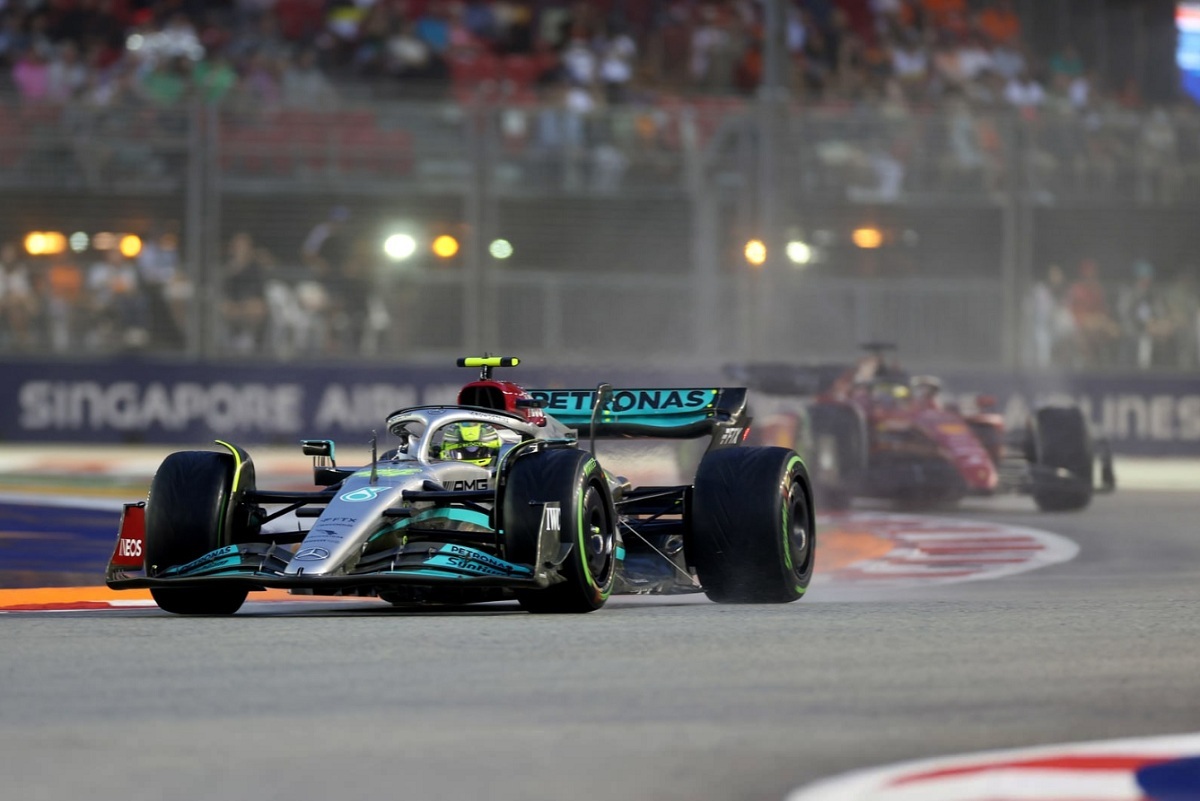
x,y
492,498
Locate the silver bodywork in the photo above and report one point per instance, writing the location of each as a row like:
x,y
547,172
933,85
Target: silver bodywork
x,y
412,527
355,516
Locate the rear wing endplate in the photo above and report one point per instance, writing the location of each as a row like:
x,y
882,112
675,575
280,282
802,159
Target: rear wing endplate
x,y
672,413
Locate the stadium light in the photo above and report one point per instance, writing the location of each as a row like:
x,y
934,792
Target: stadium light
x,y
799,253
500,249
445,246
867,238
104,241
45,243
399,247
130,246
756,252
35,243
79,241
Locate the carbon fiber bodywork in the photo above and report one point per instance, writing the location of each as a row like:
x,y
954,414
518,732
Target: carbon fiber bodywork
x,y
410,527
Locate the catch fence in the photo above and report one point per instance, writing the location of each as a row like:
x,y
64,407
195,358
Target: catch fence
x,y
617,235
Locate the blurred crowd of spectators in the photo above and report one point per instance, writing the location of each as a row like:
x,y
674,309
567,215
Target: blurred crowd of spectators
x,y
107,304
329,301
309,52
552,64
332,304
895,58
1078,321
322,301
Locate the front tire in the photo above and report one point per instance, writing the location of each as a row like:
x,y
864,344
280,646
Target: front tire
x,y
188,515
752,531
574,480
836,455
1060,440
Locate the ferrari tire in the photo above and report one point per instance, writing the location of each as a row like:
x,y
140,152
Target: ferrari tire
x,y
836,445
574,480
752,533
188,516
1061,440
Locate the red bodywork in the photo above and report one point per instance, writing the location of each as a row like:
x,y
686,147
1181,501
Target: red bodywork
x,y
131,537
504,396
943,432
907,419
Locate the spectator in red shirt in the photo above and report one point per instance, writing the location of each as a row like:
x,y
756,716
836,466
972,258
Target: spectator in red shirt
x,y
1000,23
1096,330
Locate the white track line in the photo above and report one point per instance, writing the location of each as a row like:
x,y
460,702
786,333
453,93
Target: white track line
x,y
1097,771
938,550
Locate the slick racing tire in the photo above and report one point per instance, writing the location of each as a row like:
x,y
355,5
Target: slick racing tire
x,y
587,522
835,456
1060,439
752,535
188,516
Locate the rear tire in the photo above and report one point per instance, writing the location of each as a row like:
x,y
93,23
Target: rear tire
x,y
575,480
188,516
1061,440
752,535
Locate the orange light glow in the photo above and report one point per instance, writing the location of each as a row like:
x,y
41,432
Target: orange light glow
x,y
756,252
445,246
868,238
45,243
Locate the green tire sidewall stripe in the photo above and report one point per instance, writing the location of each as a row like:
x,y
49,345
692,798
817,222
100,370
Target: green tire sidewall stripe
x,y
588,470
223,535
787,539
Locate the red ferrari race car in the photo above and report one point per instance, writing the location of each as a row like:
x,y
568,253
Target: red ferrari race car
x,y
871,430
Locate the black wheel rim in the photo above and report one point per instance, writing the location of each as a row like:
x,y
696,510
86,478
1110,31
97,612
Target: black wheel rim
x,y
599,539
798,537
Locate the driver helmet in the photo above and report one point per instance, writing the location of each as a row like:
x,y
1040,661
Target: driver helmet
x,y
926,387
888,392
477,443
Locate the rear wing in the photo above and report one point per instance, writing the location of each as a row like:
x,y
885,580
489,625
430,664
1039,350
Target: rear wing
x,y
782,378
679,413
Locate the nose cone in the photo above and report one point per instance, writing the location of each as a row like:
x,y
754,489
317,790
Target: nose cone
x,y
963,449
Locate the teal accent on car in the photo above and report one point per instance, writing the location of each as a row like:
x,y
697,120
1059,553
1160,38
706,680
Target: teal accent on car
x,y
455,514
489,566
214,566
656,408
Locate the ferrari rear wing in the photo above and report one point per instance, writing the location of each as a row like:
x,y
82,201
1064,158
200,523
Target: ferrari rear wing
x,y
665,413
779,378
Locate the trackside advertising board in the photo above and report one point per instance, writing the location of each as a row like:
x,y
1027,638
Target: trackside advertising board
x,y
143,401
1148,415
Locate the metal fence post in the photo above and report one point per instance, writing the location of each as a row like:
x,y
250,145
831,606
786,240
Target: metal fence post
x,y
706,266
196,232
473,306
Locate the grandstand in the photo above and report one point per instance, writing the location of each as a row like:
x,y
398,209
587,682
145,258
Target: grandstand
x,y
912,168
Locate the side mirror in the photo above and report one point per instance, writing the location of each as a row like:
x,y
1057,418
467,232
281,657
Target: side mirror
x,y
321,450
317,447
530,403
325,472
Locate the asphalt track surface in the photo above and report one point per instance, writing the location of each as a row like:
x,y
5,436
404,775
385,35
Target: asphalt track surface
x,y
646,699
